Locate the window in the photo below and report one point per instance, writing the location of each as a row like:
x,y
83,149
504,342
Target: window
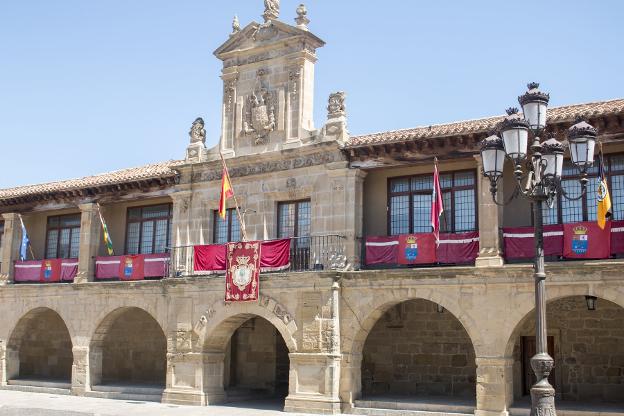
x,y
410,203
149,229
564,211
228,229
293,219
63,237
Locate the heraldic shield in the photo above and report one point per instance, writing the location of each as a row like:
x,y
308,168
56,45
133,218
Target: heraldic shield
x,y
242,278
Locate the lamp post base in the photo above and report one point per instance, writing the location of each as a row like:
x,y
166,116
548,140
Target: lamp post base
x,y
542,393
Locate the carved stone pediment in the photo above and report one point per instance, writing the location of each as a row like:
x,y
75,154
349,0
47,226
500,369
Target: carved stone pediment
x,y
256,35
260,111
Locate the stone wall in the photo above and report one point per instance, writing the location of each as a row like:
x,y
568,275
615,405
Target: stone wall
x,y
588,348
46,348
254,357
134,350
415,350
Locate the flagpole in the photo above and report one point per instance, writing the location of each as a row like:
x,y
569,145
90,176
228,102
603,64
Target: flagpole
x,y
105,231
240,217
32,253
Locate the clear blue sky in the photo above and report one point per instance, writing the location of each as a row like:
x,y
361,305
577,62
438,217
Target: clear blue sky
x,y
91,86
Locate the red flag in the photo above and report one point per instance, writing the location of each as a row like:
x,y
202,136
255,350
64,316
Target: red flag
x,y
242,278
50,270
226,192
132,267
586,240
437,207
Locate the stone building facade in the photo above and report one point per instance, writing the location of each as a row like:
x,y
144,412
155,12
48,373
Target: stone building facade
x,y
330,335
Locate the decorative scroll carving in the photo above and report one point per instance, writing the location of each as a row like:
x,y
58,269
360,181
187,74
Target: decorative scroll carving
x,y
229,87
294,76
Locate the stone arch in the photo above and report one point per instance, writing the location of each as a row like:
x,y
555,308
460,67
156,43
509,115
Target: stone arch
x,y
128,345
525,310
217,325
588,356
47,352
353,343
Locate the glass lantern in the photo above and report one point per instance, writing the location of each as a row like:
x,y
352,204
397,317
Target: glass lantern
x,y
534,105
493,157
582,139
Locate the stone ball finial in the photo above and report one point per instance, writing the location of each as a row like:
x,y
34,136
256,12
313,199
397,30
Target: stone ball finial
x,y
302,17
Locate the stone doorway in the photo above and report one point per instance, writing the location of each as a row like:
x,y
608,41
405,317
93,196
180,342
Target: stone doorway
x,y
39,352
256,364
419,357
588,349
128,357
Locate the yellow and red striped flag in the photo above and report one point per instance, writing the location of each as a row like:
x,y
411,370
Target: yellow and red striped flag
x,y
226,192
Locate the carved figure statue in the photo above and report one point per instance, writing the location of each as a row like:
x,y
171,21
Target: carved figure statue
x,y
336,107
271,9
198,133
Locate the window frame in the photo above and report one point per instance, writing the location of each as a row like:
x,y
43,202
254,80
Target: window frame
x,y
452,189
169,219
58,237
296,228
231,213
584,207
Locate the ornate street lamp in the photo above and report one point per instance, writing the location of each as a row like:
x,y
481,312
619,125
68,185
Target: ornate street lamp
x,y
537,171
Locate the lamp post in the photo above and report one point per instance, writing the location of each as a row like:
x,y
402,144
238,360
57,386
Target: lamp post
x,y
537,172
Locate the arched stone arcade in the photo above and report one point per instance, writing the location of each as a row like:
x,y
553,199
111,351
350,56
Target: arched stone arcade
x,y
128,348
588,349
40,350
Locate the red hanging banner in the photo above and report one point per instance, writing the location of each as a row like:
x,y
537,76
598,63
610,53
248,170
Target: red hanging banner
x,y
132,267
242,278
586,240
50,270
417,248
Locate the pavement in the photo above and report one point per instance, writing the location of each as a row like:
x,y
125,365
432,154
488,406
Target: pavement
x,y
15,403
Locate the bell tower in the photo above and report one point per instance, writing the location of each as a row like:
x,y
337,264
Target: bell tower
x,y
268,84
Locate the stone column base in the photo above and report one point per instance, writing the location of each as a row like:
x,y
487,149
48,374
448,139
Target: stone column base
x,y
315,404
184,397
489,260
494,386
490,413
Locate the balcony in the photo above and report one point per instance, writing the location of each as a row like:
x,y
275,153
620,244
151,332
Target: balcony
x,y
314,253
46,271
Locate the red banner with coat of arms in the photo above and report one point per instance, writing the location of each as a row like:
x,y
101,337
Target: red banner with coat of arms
x,y
417,249
132,267
242,277
586,240
50,270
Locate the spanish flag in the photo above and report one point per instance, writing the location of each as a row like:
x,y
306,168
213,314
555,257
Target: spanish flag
x,y
226,192
604,199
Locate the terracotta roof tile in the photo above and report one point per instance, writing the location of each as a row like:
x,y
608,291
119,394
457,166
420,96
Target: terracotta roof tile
x,y
153,171
555,115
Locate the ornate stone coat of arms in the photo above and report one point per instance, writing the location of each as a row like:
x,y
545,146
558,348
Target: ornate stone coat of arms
x,y
260,115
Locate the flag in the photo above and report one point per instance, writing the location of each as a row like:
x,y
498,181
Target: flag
x,y
25,241
226,192
604,198
437,207
107,238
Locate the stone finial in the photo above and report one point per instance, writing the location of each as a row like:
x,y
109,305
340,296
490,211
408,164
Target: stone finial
x,y
336,107
198,133
235,25
302,17
271,10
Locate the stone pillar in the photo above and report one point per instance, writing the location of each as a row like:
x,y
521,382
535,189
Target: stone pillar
x,y
10,365
90,236
94,375
314,383
350,380
185,373
11,241
80,371
181,257
489,220
494,386
212,378
2,364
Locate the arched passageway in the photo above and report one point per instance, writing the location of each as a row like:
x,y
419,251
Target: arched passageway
x,y
256,363
128,354
588,349
40,350
420,356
